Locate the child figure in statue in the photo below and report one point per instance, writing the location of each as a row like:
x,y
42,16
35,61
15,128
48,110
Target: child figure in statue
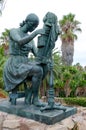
x,y
18,67
46,42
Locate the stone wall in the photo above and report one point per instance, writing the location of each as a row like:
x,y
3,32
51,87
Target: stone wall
x,y
12,122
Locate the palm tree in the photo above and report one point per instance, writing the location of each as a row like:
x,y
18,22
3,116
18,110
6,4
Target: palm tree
x,y
69,27
5,36
4,40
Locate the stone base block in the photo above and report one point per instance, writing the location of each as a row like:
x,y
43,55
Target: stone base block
x,y
32,112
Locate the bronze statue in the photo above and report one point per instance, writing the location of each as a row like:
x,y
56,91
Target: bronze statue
x,y
46,44
18,68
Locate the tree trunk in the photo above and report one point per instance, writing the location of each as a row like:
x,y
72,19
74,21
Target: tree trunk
x,y
67,53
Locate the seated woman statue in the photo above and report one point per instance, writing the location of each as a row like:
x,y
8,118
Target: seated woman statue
x,y
18,67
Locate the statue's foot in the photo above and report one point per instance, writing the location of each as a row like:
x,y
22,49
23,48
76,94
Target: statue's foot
x,y
57,107
39,103
27,102
58,104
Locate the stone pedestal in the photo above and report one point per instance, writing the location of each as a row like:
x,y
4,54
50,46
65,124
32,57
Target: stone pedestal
x,y
32,112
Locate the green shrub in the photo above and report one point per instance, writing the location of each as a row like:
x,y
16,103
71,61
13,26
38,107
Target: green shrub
x,y
76,101
72,70
3,94
3,59
66,75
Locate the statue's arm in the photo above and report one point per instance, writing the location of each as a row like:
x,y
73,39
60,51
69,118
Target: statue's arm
x,y
24,40
34,49
14,35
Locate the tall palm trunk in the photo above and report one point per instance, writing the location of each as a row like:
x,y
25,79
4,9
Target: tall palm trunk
x,y
67,53
69,27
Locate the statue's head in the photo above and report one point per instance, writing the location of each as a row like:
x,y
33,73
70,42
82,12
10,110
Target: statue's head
x,y
50,23
50,18
31,21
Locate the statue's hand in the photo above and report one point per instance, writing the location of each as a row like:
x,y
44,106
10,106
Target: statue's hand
x,y
40,31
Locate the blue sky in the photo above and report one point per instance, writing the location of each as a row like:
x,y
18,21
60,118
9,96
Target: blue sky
x,y
16,10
